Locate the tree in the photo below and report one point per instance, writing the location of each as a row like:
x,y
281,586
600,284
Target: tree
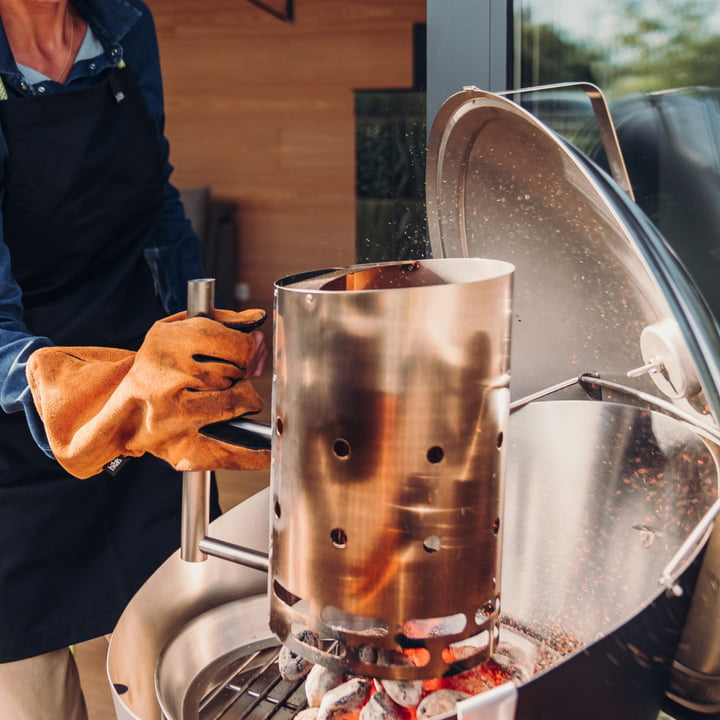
x,y
665,44
550,56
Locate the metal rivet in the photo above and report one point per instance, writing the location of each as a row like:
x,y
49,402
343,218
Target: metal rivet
x,y
92,66
41,89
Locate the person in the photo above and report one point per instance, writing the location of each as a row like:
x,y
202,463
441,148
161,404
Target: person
x,y
106,385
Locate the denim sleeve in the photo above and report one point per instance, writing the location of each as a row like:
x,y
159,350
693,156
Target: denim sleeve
x,y
173,254
16,346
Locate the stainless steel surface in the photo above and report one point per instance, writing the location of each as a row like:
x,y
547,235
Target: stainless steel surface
x,y
235,553
195,514
196,485
390,403
209,646
217,667
261,429
175,594
695,681
692,544
605,125
201,297
591,272
599,498
695,540
607,501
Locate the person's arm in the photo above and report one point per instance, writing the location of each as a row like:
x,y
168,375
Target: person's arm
x,y
101,405
49,383
17,343
175,255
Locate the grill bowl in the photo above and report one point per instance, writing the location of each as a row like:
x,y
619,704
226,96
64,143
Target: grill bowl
x,y
599,498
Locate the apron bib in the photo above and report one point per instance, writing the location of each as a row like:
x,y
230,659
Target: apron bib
x,y
84,182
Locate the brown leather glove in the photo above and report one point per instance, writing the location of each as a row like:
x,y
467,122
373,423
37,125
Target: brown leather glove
x,y
101,403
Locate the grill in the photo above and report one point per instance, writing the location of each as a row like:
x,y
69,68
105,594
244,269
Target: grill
x,y
238,679
256,690
242,679
595,484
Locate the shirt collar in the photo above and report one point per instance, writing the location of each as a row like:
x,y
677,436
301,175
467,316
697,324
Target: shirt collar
x,y
110,21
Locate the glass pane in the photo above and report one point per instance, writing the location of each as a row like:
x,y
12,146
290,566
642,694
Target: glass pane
x,y
621,45
390,136
658,62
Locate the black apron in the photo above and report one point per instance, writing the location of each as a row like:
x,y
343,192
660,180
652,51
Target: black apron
x,y
83,190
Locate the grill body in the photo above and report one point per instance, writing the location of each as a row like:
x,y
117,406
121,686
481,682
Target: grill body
x,y
610,488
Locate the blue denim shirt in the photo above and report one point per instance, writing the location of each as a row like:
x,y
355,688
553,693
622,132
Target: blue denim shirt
x,y
126,31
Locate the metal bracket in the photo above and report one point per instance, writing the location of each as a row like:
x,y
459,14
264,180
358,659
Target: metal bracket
x,y
288,15
606,127
593,390
195,545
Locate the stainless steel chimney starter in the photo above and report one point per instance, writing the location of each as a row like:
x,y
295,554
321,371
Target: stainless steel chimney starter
x,y
390,404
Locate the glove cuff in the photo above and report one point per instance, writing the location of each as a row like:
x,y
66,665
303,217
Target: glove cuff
x,y
70,386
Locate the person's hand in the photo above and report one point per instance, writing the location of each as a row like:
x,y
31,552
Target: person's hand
x,y
98,404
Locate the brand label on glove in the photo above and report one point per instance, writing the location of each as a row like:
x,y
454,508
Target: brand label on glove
x,y
114,466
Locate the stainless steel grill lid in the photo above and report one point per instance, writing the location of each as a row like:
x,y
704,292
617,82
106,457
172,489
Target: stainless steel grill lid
x,y
592,273
598,292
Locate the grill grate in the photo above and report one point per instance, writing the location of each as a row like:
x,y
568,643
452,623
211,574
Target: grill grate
x,y
253,688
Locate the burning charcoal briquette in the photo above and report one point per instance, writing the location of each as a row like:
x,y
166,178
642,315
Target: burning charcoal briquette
x,y
514,661
406,693
293,666
309,713
392,657
319,681
437,702
381,707
344,701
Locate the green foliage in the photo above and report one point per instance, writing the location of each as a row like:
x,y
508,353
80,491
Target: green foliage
x,y
658,45
665,44
563,59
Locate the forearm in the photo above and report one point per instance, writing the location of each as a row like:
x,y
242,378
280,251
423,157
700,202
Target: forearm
x,y
174,256
16,346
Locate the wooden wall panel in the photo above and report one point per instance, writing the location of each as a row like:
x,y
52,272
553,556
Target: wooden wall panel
x,y
262,111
